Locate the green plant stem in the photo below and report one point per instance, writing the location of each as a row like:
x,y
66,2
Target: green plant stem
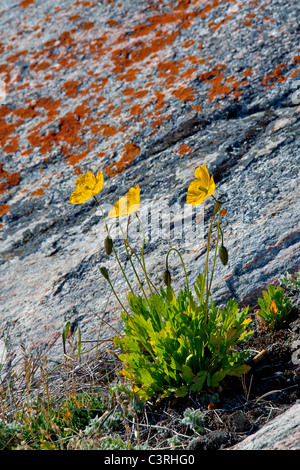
x,y
117,297
206,266
174,249
102,213
215,257
115,253
123,272
142,264
133,267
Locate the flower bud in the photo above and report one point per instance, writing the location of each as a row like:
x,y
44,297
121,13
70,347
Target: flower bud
x,y
104,272
223,254
167,278
217,207
108,244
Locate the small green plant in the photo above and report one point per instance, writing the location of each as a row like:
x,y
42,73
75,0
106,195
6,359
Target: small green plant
x,y
8,434
291,285
274,307
52,426
115,443
173,348
194,419
172,344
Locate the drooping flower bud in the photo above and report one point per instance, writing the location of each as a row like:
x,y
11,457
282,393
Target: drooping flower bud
x,y
104,272
167,278
217,207
223,254
108,244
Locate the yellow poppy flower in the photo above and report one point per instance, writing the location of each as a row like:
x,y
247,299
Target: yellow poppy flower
x,y
201,187
87,185
126,205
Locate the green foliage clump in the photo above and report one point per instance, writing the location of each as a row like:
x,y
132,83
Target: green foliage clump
x,y
8,432
172,346
291,282
50,427
274,307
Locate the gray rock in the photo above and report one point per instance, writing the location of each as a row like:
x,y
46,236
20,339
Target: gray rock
x,y
238,421
281,433
215,440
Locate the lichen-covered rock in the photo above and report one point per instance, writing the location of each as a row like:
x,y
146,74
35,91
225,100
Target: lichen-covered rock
x,y
145,92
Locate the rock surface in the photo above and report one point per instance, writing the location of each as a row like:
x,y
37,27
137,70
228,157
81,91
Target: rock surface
x,y
145,92
281,433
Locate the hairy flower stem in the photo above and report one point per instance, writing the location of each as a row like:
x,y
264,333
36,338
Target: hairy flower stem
x,y
208,285
116,295
215,257
206,266
143,264
133,267
174,249
115,253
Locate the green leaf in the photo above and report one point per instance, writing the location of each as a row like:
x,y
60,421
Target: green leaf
x,y
200,288
79,340
199,382
216,378
45,445
170,295
181,391
187,374
65,334
239,370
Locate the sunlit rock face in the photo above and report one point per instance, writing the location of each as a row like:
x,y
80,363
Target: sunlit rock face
x,y
145,92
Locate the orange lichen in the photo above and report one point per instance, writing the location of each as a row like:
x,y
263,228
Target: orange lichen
x,y
4,111
77,170
184,93
87,25
222,86
275,76
136,110
112,23
49,105
208,8
27,152
131,150
4,208
129,52
12,179
25,113
214,26
3,172
38,192
295,72
184,148
247,72
188,43
74,17
71,87
74,159
197,107
5,131
12,145
107,130
26,3
38,66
